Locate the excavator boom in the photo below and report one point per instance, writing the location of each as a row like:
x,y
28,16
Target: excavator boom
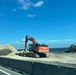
x,y
30,39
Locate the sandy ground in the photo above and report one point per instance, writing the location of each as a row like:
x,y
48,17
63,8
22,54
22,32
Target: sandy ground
x,y
7,50
53,57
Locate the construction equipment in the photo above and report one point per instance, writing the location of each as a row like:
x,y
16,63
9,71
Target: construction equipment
x,y
35,48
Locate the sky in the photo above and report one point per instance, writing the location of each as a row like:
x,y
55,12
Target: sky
x,y
52,22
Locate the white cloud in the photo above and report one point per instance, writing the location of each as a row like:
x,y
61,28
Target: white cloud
x,y
14,10
31,15
26,4
53,40
50,43
38,4
23,40
40,40
64,40
69,40
18,42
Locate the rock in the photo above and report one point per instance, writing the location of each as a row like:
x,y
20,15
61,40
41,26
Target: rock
x,y
72,48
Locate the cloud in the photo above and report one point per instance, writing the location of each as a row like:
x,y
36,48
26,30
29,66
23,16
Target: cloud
x,y
51,43
53,40
69,40
60,43
14,10
31,15
23,40
17,42
26,4
64,40
38,4
40,40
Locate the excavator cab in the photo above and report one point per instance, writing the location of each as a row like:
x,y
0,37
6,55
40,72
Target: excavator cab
x,y
39,48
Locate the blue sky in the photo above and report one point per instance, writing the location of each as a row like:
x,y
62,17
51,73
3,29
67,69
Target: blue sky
x,y
52,22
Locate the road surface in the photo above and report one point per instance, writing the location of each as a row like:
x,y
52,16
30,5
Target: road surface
x,y
5,71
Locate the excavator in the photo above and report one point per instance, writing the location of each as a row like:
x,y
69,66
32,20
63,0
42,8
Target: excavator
x,y
35,48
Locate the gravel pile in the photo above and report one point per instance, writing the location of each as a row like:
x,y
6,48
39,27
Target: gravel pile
x,y
7,50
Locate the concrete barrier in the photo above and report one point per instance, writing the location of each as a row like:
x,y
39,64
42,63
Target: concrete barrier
x,y
35,68
24,66
4,61
48,69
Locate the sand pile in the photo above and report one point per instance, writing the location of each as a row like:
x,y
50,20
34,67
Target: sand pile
x,y
7,50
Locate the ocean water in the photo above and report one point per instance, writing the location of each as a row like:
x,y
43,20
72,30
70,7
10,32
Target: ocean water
x,y
58,49
52,49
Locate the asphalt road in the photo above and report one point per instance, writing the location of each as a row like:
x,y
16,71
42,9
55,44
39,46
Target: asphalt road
x,y
6,71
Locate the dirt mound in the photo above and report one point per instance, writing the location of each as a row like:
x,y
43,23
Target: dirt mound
x,y
7,50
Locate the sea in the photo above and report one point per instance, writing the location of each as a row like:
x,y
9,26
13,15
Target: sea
x,y
53,49
58,49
